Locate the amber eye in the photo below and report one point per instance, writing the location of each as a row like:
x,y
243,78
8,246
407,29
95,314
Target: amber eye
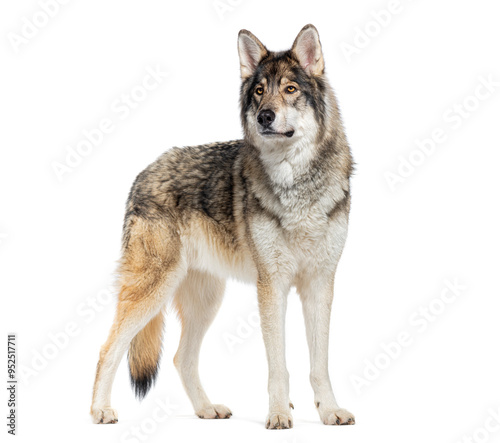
x,y
259,91
291,89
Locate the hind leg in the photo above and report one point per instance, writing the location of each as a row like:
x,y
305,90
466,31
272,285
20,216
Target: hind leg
x,y
129,320
197,299
149,272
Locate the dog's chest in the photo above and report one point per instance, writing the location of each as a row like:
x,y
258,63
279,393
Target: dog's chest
x,y
301,200
303,224
304,233
304,216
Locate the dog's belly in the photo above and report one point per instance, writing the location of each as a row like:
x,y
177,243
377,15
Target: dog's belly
x,y
209,248
203,257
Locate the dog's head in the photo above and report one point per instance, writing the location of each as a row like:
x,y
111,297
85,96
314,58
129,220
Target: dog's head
x,y
284,95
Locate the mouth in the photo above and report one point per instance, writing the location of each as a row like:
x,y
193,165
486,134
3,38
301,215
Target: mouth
x,y
287,134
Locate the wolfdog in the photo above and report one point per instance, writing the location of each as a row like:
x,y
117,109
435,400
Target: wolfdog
x,y
271,209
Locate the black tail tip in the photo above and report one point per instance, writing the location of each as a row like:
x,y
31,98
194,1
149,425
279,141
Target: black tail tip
x,y
142,384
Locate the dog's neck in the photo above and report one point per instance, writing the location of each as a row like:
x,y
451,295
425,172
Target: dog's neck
x,y
305,176
286,163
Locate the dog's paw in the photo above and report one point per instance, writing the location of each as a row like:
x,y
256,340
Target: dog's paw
x,y
279,420
104,416
337,417
214,411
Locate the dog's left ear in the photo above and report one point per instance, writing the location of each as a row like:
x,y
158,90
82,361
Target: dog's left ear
x,y
307,49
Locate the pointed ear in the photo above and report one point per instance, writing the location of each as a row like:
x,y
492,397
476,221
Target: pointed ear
x,y
307,49
251,52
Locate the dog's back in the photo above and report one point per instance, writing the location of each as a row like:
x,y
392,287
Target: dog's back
x,y
185,182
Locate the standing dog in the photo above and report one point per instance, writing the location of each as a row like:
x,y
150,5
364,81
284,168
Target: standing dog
x,y
271,209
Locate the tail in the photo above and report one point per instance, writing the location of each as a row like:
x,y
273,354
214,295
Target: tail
x,y
144,356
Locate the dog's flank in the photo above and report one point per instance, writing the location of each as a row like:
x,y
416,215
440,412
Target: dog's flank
x,y
271,209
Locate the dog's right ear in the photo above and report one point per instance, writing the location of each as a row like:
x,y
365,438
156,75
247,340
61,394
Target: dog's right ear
x,y
251,52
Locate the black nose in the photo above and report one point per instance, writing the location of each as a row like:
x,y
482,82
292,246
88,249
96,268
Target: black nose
x,y
266,117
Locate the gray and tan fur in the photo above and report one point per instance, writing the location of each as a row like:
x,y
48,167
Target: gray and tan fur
x,y
271,209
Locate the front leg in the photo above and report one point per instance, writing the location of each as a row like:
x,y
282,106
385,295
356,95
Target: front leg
x,y
316,293
272,306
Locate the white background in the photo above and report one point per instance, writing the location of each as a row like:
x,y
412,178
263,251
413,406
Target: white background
x,y
60,239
